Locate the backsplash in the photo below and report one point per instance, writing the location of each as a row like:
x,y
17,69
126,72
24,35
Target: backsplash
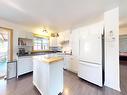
x,y
66,48
56,48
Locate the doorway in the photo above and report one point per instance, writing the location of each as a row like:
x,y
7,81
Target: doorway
x,y
123,62
5,49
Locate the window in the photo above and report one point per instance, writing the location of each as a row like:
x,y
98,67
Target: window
x,y
40,43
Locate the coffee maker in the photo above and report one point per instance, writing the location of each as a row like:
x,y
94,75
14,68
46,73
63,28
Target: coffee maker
x,y
21,51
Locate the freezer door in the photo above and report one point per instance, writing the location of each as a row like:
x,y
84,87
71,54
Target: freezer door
x,y
91,73
90,44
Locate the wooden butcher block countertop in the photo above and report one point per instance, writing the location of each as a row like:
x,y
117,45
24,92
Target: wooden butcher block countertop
x,y
52,59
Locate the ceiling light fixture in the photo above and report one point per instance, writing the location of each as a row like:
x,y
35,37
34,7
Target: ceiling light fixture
x,y
44,29
54,35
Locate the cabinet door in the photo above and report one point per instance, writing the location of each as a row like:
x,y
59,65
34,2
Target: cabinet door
x,y
61,37
29,64
67,35
66,61
73,64
75,42
36,68
24,34
53,41
29,35
21,34
20,67
25,65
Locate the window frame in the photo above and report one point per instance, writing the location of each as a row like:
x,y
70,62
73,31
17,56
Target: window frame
x,y
41,43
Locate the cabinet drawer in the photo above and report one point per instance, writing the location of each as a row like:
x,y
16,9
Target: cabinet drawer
x,y
91,72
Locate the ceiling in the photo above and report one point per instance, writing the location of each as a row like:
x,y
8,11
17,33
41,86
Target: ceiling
x,y
57,14
123,13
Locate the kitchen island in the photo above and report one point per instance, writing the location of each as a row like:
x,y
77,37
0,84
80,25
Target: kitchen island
x,y
48,74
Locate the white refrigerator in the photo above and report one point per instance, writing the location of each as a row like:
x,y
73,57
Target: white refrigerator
x,y
91,54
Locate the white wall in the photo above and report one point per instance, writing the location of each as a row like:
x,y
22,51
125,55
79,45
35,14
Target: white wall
x,y
123,31
123,38
17,29
123,43
111,20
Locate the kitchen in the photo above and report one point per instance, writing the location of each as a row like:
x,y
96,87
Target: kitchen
x,y
59,61
68,45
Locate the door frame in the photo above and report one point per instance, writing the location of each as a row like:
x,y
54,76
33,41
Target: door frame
x,y
10,32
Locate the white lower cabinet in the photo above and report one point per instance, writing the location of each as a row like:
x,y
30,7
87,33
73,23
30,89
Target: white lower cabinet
x,y
24,65
66,61
73,64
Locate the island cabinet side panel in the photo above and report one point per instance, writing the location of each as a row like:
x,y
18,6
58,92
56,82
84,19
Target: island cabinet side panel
x,y
41,76
35,71
56,78
44,78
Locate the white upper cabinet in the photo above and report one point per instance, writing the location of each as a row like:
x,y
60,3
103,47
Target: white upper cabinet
x,y
28,35
53,42
61,37
74,41
21,34
67,35
64,36
56,41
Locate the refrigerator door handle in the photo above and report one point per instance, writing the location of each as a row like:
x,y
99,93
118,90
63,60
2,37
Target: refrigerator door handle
x,y
89,63
79,47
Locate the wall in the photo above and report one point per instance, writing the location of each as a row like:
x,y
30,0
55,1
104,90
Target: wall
x,y
123,39
111,20
17,29
123,43
123,31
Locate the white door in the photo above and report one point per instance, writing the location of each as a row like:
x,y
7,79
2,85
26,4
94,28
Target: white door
x,y
91,43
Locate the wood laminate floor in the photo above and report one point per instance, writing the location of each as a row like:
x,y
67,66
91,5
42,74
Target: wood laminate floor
x,y
72,85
